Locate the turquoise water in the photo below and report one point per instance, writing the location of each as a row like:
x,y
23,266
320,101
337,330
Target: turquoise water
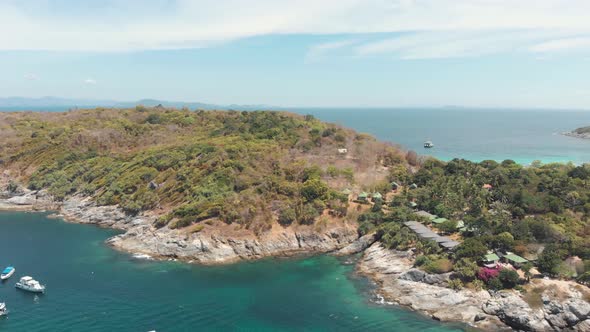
x,y
91,287
474,134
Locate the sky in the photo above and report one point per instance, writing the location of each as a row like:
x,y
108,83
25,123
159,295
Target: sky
x,y
315,53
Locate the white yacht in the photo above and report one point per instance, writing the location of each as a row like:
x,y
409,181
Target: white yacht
x,y
3,310
7,273
428,144
30,284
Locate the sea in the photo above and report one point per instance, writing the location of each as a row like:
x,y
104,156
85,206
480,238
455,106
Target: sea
x,y
520,135
91,287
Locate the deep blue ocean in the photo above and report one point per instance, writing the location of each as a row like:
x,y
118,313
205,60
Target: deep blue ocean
x,y
474,134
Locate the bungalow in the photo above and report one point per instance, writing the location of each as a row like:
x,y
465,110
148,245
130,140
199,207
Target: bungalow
x,y
346,192
514,259
413,186
363,197
394,186
449,245
426,215
377,197
439,220
413,205
490,260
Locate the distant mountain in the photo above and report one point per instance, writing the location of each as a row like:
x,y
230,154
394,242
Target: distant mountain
x,y
56,103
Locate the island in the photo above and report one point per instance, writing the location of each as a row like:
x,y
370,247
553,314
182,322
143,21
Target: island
x,y
493,245
582,132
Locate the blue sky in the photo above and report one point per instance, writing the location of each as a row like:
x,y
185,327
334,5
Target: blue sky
x,y
382,53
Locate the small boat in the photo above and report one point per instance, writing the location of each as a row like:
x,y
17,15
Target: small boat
x,y
428,144
3,309
29,284
7,273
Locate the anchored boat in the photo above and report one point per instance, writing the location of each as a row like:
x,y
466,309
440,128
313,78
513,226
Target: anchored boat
x,y
428,144
3,309
29,284
7,273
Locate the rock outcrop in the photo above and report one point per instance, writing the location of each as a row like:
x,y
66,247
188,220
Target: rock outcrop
x,y
564,306
207,247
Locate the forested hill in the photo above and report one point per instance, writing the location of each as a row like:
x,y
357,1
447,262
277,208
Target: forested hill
x,y
250,168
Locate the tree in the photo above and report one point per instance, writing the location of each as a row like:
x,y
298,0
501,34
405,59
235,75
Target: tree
x,y
314,189
412,158
471,248
509,278
549,260
449,226
466,268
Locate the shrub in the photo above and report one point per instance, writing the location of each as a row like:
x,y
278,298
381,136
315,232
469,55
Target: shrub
x,y
439,266
466,269
494,284
455,284
509,278
486,273
422,260
287,216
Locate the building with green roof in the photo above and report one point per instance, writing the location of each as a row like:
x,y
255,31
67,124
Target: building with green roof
x,y
439,220
514,259
363,197
377,196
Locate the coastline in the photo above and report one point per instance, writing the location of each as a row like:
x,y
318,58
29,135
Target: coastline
x,y
393,272
576,135
210,247
563,305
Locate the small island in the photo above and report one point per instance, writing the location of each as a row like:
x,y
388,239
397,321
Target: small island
x,y
582,132
493,245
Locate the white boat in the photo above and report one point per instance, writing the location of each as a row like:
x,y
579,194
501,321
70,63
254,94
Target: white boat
x,y
7,273
3,310
29,284
428,144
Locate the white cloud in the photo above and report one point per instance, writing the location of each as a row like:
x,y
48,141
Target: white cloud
x,y
112,25
563,45
90,81
448,44
31,77
317,52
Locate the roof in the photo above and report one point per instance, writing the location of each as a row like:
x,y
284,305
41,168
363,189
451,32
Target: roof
x,y
515,258
363,195
491,257
450,245
425,214
460,224
413,204
346,191
377,195
395,184
439,220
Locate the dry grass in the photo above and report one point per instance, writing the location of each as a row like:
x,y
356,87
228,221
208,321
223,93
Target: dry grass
x,y
533,297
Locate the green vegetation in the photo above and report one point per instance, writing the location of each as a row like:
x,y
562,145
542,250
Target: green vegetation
x,y
502,207
247,168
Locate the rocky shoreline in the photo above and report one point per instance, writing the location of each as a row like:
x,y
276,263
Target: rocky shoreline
x,y
562,304
209,247
576,135
392,270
